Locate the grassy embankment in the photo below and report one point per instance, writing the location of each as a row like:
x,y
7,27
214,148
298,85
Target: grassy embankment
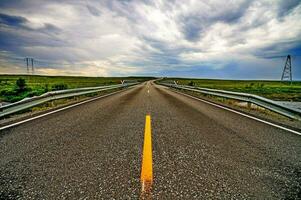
x,y
37,85
276,90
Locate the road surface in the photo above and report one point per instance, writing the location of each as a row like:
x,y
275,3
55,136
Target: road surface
x,y
199,151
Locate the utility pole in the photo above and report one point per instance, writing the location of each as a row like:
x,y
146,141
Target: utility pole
x,y
32,68
287,70
28,62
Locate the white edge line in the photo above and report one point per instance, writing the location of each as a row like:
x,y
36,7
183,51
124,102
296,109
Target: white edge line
x,y
237,112
58,110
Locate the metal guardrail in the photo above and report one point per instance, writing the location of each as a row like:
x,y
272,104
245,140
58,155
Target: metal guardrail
x,y
54,95
250,98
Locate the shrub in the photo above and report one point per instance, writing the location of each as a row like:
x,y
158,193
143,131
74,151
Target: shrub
x,y
33,93
60,86
21,84
46,88
191,83
7,92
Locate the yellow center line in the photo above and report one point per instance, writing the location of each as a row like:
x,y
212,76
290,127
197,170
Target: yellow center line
x,y
147,159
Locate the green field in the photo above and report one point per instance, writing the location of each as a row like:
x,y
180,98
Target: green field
x,y
37,85
276,90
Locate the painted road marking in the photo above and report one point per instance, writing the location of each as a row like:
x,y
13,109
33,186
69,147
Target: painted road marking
x,y
147,159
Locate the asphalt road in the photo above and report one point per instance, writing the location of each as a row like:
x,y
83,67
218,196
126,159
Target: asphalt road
x,y
94,151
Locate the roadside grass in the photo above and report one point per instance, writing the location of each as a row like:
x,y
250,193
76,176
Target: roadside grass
x,y
276,90
37,85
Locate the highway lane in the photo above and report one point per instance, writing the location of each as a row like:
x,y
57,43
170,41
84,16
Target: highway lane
x,y
199,151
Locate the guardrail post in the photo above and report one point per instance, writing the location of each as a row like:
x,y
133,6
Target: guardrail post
x,y
52,103
249,105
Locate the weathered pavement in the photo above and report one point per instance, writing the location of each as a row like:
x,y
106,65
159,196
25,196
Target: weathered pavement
x,y
200,151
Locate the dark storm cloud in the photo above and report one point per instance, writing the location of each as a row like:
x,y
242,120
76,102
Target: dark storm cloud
x,y
287,6
281,50
31,4
49,28
12,3
11,39
94,11
192,27
125,8
12,20
194,24
16,33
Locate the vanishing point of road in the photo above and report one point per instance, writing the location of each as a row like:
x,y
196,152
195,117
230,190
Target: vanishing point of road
x,y
182,147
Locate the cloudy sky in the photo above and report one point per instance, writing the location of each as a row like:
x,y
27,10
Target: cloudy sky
x,y
235,39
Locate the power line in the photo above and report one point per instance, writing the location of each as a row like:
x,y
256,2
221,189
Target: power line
x,y
8,57
37,61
